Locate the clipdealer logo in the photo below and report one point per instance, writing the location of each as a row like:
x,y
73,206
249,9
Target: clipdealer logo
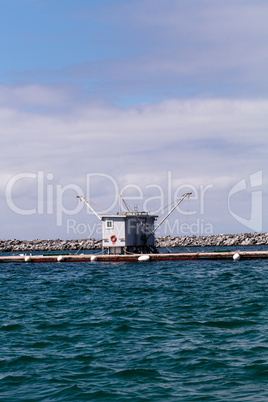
x,y
59,201
254,222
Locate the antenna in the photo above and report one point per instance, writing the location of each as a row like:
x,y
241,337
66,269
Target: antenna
x,y
121,198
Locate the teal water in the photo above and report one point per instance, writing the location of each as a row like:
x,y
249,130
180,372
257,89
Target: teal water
x,y
157,331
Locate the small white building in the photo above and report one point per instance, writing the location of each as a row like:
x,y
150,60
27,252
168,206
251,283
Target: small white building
x,y
131,232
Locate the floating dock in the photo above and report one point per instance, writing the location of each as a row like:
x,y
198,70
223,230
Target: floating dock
x,y
65,257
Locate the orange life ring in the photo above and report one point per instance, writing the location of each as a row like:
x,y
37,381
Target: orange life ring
x,y
113,238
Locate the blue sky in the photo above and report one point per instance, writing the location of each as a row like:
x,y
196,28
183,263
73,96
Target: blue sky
x,y
165,90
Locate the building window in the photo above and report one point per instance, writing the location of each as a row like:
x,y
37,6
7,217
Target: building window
x,y
109,224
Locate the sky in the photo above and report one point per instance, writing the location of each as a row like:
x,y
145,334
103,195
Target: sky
x,y
149,99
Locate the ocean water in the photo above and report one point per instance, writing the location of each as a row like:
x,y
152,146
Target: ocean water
x,y
155,331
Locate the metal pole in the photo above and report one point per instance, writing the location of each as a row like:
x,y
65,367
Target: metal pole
x,y
89,206
178,203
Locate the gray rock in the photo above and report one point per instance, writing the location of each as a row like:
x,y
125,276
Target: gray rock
x,y
219,240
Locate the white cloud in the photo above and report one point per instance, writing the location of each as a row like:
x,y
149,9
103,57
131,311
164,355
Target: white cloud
x,y
34,95
106,132
201,142
200,43
154,49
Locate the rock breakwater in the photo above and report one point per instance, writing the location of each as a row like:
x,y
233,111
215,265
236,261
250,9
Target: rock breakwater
x,y
222,240
217,240
48,245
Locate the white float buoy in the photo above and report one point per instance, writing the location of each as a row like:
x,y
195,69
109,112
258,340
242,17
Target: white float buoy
x,y
93,258
27,258
60,258
236,257
144,258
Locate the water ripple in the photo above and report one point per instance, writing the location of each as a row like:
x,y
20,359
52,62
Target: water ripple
x,y
176,331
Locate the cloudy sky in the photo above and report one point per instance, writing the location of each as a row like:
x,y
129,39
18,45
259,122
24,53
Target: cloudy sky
x,y
149,98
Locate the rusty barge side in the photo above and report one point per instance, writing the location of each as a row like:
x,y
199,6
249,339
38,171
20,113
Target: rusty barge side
x,y
232,255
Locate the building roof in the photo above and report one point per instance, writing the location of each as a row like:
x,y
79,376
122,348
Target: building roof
x,y
129,214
